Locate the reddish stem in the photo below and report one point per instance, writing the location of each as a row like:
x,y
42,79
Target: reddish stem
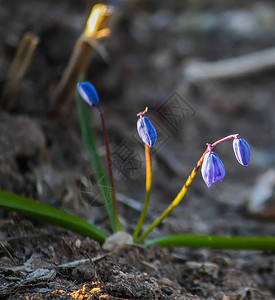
x,y
110,170
231,136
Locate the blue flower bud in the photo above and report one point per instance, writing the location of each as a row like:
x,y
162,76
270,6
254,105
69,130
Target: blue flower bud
x,y
146,131
88,93
241,150
212,168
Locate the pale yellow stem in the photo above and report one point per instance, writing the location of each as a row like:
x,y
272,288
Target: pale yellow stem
x,y
176,201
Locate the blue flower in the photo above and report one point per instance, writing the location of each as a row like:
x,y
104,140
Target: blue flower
x,y
241,150
212,168
88,93
146,131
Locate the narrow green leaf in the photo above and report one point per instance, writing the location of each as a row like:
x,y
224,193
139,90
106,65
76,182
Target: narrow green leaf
x,y
219,242
50,214
95,160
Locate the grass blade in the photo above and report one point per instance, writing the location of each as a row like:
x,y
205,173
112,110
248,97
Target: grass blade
x,y
44,212
218,242
95,160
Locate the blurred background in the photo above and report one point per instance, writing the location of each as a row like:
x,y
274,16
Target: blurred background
x,y
205,69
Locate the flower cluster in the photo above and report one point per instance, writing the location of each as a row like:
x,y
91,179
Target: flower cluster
x,y
212,168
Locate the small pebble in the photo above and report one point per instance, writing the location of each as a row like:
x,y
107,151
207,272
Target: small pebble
x,y
117,241
78,244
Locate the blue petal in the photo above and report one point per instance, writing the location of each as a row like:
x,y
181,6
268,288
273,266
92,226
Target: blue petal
x,y
207,170
219,168
88,93
212,168
146,131
241,151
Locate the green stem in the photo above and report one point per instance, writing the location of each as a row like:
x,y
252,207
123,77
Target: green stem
x,y
110,170
147,191
176,201
218,242
94,158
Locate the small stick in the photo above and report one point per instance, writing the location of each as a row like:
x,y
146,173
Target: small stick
x,y
80,58
147,193
130,202
232,67
19,68
8,252
96,271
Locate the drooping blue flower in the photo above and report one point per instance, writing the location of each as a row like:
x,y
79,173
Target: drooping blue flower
x,y
241,150
88,93
212,168
146,131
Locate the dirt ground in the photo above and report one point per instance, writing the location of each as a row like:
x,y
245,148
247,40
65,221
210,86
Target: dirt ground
x,y
142,64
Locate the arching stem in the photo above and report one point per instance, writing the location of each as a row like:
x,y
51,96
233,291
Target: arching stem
x,y
184,189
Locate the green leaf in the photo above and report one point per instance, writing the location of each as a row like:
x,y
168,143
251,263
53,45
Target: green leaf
x,y
219,242
95,160
44,212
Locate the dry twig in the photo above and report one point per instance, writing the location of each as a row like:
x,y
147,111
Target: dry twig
x,y
232,67
19,68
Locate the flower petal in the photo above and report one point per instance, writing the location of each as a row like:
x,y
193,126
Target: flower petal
x,y
212,168
88,93
241,150
146,131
